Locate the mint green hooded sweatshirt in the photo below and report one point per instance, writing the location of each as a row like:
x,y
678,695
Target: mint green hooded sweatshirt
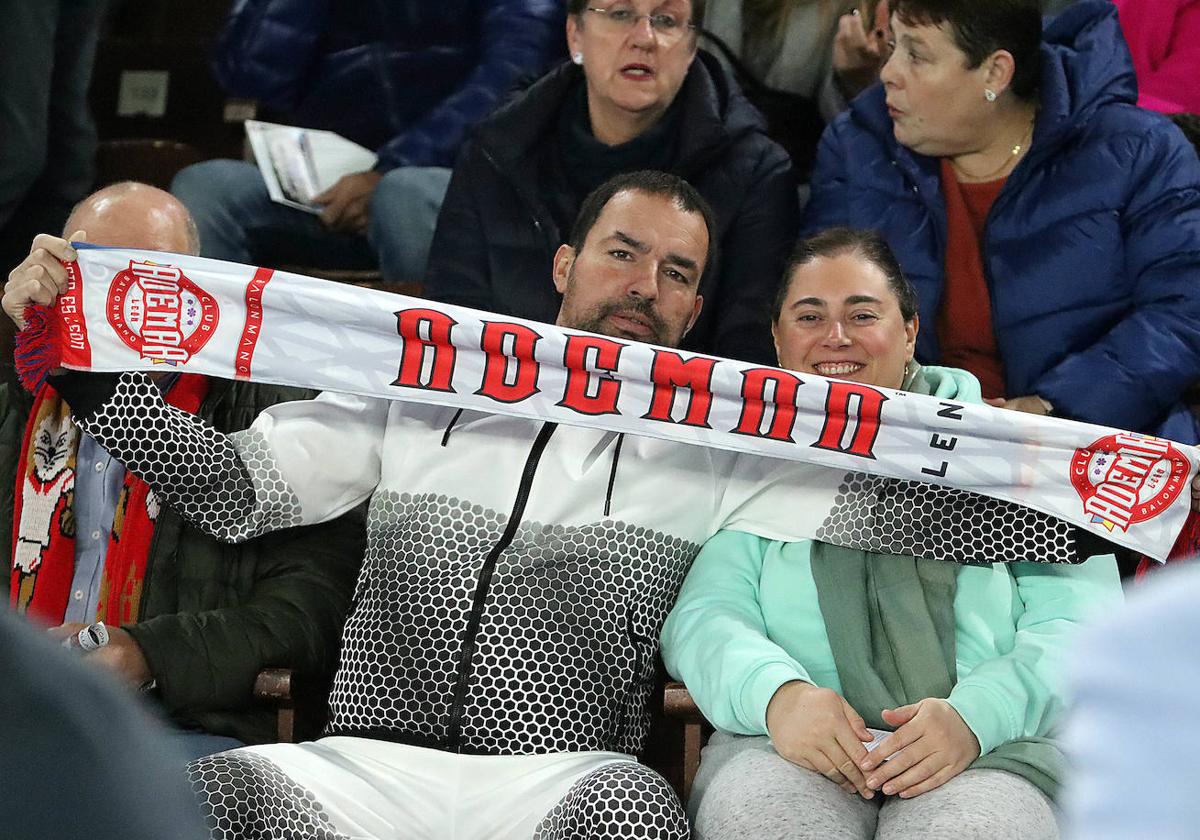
x,y
747,621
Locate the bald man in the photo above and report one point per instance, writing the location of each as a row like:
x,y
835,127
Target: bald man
x,y
126,582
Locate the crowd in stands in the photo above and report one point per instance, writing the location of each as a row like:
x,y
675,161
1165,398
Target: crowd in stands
x,y
429,71
987,202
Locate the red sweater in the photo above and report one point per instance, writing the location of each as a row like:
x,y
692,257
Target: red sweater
x,y
965,318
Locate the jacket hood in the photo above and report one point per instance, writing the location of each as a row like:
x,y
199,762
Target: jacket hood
x,y
1085,64
715,113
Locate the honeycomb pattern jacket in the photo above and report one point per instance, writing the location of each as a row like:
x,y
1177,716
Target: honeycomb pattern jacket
x,y
517,573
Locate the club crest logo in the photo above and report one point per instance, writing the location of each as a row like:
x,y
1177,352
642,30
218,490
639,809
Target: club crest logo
x,y
161,314
1124,478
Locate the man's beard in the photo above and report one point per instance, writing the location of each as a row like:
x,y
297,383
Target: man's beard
x,y
597,320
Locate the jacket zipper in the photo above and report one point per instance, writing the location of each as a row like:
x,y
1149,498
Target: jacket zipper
x,y
150,564
640,644
470,635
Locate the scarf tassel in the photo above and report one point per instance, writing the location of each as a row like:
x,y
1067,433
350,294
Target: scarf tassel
x,y
38,347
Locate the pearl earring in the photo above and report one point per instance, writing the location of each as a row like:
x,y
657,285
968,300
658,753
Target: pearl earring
x,y
989,94
578,58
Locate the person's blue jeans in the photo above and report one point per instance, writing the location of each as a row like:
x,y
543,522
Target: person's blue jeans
x,y
238,221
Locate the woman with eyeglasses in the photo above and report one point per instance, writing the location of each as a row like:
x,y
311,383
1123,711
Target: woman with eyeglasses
x,y
635,95
1050,227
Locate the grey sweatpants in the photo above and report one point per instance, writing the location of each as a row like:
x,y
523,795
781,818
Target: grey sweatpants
x,y
744,789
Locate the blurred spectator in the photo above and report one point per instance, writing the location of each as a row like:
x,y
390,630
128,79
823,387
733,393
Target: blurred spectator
x,y
787,54
80,760
784,43
188,619
1164,37
1080,295
859,51
821,49
636,97
47,135
1131,733
406,79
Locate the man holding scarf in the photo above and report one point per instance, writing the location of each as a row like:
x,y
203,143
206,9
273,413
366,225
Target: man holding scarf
x,y
93,554
497,665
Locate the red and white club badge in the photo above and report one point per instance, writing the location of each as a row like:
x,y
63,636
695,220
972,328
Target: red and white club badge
x,y
1126,478
161,314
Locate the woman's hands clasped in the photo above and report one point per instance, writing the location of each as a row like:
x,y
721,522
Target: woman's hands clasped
x,y
817,729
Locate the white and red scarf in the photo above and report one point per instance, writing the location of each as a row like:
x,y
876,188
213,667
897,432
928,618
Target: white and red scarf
x,y
140,310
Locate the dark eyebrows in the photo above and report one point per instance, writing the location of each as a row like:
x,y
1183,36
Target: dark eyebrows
x,y
816,301
642,248
625,238
681,261
808,301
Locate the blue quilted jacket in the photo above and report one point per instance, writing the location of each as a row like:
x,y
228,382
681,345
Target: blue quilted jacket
x,y
1091,251
404,77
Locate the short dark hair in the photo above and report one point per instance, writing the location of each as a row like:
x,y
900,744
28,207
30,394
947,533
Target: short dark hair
x,y
575,8
866,244
649,182
981,28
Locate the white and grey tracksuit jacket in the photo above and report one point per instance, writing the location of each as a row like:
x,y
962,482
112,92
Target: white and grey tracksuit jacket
x,y
517,573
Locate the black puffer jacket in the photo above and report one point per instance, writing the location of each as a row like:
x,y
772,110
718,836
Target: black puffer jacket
x,y
499,227
213,615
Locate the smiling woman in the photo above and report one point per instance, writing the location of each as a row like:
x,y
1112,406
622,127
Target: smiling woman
x,y
860,695
846,310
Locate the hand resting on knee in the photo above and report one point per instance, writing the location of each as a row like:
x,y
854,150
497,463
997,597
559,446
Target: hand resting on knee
x,y
930,746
